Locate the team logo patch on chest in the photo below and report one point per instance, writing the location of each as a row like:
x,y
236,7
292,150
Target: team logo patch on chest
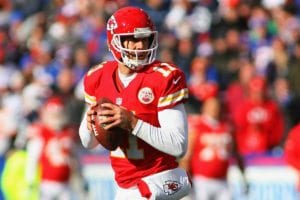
x,y
146,95
171,187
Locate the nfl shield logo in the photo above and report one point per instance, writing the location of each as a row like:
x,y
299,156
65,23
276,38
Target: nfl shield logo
x,y
119,101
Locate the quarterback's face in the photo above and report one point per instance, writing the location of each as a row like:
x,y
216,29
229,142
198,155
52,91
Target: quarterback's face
x,y
132,43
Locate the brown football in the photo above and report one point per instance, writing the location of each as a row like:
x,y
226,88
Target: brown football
x,y
109,139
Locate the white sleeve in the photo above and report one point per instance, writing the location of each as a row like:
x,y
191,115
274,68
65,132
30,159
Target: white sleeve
x,y
171,137
33,148
88,139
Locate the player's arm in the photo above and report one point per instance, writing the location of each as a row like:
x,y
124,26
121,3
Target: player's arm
x,y
240,162
86,135
186,159
171,137
33,148
90,81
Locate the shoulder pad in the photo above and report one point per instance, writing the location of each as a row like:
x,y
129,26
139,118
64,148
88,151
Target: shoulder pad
x,y
95,68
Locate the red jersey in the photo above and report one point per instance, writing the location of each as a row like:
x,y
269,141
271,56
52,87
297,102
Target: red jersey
x,y
259,126
233,96
291,148
212,147
55,152
157,87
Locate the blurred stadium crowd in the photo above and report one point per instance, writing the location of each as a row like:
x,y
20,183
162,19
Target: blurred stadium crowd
x,y
47,46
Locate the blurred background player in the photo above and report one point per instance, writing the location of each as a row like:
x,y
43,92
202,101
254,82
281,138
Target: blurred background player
x,y
49,147
210,150
258,120
292,152
149,101
236,90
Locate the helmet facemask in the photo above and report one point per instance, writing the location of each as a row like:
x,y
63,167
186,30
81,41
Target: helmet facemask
x,y
132,58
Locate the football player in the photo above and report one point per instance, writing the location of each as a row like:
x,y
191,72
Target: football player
x,y
149,99
49,148
258,120
211,146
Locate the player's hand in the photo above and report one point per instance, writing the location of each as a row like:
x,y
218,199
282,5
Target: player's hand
x,y
89,116
117,116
